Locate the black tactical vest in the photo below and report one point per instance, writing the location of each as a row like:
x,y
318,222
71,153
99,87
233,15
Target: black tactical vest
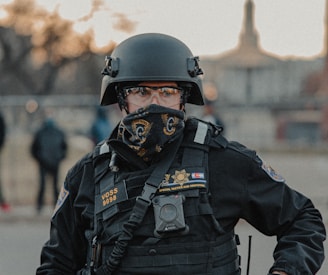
x,y
179,233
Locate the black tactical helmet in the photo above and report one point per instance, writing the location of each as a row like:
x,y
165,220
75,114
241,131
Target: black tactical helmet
x,y
151,57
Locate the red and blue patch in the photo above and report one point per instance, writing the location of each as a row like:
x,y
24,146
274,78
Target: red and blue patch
x,y
197,175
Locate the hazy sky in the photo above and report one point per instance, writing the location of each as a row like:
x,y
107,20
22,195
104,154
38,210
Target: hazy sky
x,y
286,27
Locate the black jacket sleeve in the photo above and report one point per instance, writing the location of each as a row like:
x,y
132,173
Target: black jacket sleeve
x,y
243,187
272,207
65,251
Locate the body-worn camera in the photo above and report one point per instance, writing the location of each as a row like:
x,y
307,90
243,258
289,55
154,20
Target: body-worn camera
x,y
169,216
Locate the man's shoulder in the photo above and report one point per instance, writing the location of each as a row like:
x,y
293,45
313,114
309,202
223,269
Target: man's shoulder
x,y
78,168
57,130
204,134
211,135
239,150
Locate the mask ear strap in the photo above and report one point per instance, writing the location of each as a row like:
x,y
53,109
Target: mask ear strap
x,y
121,99
184,97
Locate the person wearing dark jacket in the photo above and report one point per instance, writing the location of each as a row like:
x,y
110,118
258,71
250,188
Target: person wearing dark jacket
x,y
100,127
164,192
48,148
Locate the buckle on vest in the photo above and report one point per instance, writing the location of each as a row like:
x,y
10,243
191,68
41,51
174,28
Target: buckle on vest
x,y
147,195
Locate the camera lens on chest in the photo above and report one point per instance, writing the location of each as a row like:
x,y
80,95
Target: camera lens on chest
x,y
168,212
169,215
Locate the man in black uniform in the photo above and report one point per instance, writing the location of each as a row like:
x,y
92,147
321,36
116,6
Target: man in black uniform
x,y
163,193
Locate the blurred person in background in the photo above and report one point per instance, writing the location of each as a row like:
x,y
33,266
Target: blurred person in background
x,y
209,114
101,126
3,204
163,194
48,148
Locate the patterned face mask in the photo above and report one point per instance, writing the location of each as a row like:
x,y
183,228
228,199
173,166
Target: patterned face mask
x,y
148,129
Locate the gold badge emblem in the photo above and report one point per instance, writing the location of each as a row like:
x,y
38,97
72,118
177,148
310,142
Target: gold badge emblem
x,y
170,124
141,128
181,177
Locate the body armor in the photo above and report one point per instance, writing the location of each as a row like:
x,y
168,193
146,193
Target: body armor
x,y
179,232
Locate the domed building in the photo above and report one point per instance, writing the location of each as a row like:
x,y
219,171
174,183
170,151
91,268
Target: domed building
x,y
250,75
263,98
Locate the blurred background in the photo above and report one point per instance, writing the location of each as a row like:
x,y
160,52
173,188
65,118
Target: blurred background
x,y
268,101
269,96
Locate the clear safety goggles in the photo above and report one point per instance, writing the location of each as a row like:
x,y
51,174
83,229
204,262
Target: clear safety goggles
x,y
144,94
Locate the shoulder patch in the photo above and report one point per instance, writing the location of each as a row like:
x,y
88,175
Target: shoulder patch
x,y
61,199
272,173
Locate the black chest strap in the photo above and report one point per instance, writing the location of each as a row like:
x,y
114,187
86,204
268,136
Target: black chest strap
x,y
139,210
196,155
191,156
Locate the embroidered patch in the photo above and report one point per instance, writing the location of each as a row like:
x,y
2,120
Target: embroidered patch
x,y
197,175
180,180
61,198
181,177
111,196
272,173
179,187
